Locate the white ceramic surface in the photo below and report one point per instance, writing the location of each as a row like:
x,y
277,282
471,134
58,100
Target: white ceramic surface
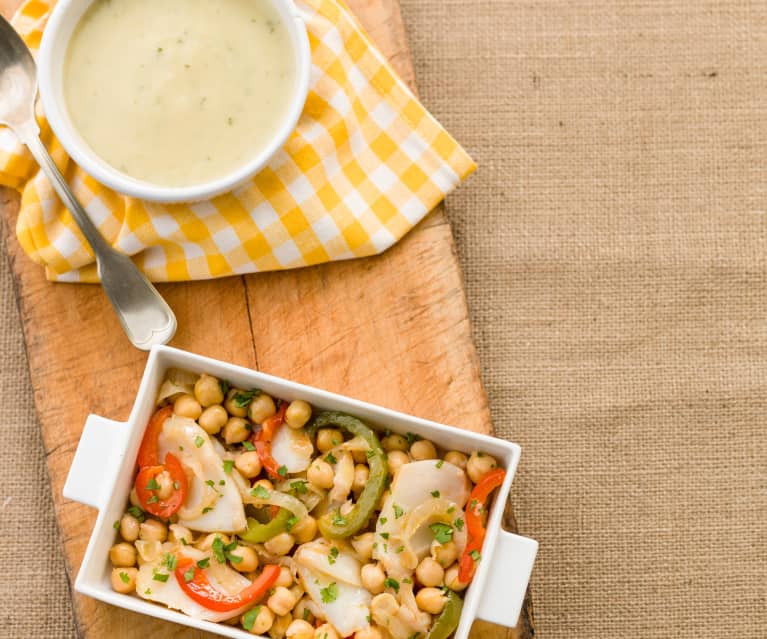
x,y
50,62
103,469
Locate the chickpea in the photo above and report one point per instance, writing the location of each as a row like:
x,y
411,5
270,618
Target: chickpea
x,y
479,465
285,578
360,456
298,413
394,441
423,449
451,579
363,544
263,621
187,406
444,554
300,629
261,408
430,600
165,481
384,604
236,430
134,498
213,419
328,438
361,474
305,530
180,534
249,559
248,463
153,530
396,459
320,474
372,577
371,632
326,631
303,610
280,626
123,554
408,559
231,404
124,580
206,543
280,544
457,459
129,527
265,484
207,390
282,601
429,572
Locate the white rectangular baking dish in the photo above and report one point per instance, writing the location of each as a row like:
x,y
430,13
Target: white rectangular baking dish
x,y
102,474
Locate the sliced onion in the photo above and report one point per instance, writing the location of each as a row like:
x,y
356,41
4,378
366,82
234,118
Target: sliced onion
x,y
315,555
148,551
282,500
433,510
310,498
177,382
343,478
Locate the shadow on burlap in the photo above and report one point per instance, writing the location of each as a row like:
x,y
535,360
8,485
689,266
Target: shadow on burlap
x,y
614,244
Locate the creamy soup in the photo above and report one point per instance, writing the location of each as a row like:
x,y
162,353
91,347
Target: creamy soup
x,y
179,92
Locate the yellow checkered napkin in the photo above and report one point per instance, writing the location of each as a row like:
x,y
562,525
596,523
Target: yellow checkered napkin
x,y
364,165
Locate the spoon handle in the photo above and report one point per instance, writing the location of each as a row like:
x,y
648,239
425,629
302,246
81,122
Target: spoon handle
x,y
145,316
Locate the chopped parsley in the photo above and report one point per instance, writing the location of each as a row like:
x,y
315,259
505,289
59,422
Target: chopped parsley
x,y
241,400
333,555
153,499
189,574
222,482
116,525
415,635
169,561
407,580
224,386
458,523
124,577
228,465
299,487
199,441
398,512
291,522
218,549
382,520
412,438
451,510
260,492
249,618
330,459
148,591
305,614
152,484
160,576
210,482
473,505
440,463
370,454
203,563
442,532
329,594
474,554
385,535
392,583
282,471
400,549
435,493
136,512
339,519
247,445
206,510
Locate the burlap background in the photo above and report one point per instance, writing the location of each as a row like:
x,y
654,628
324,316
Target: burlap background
x,y
615,249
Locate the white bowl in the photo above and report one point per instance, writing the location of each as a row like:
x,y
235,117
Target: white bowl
x,y
103,469
65,17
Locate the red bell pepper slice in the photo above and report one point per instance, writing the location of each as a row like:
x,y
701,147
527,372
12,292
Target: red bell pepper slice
x,y
262,440
194,582
148,453
474,525
148,460
148,497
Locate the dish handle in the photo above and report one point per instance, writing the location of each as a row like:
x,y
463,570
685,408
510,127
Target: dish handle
x,y
504,592
101,444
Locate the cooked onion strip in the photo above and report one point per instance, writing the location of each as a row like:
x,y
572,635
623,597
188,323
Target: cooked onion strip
x,y
276,498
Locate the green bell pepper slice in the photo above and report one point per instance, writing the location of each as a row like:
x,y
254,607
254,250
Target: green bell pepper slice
x,y
258,532
334,525
448,619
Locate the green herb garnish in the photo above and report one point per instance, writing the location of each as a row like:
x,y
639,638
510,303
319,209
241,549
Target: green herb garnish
x,y
241,400
124,577
203,563
333,555
247,445
218,549
442,532
329,594
260,492
228,465
440,463
458,523
435,493
249,618
199,441
189,574
282,471
474,554
398,512
392,583
299,487
330,459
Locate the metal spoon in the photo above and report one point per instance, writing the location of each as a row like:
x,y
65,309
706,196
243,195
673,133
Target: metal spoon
x,y
143,313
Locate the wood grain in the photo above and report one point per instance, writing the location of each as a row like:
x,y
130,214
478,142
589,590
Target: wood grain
x,y
391,329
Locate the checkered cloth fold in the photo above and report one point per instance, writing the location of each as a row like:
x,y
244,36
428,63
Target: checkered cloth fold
x,y
364,165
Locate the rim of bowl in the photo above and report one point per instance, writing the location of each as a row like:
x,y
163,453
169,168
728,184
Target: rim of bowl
x,y
50,69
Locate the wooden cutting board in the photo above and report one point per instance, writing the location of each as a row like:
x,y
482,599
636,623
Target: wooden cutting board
x,y
392,329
